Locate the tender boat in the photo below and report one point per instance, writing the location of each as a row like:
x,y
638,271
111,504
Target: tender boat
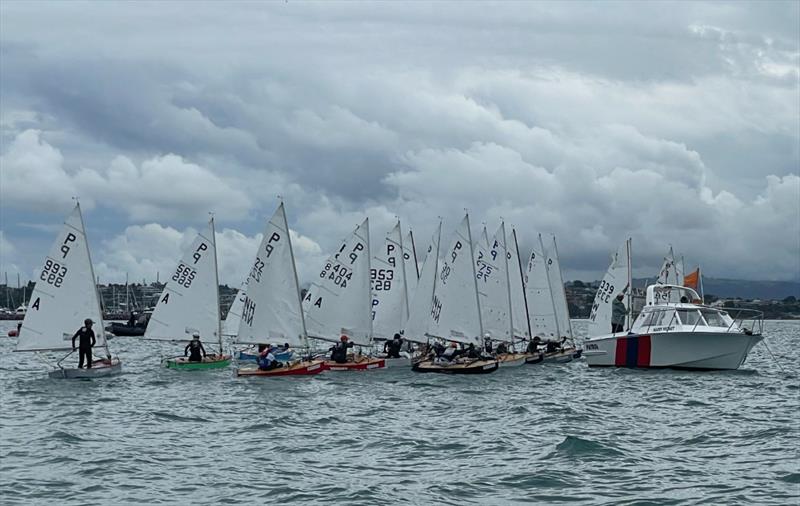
x,y
682,335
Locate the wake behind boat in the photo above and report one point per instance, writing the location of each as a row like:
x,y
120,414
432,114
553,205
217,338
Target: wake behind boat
x,y
682,335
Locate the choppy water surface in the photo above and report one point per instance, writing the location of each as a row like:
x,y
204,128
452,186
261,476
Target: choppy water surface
x,y
530,434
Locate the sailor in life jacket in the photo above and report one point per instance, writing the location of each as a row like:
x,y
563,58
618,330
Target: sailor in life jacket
x,y
195,349
266,360
339,350
393,347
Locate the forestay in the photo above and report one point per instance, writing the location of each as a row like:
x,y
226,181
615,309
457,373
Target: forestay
x,y
340,301
455,311
231,325
615,282
563,322
419,311
190,300
389,287
272,311
65,293
492,279
541,310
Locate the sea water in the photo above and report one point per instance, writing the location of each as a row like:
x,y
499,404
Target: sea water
x,y
532,434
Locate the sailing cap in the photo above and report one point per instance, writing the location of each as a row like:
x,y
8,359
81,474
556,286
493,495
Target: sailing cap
x,y
343,338
196,335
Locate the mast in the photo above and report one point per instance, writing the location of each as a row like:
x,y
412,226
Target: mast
x,y
474,277
369,267
298,299
508,285
216,282
91,270
414,252
550,286
522,278
561,280
405,281
630,285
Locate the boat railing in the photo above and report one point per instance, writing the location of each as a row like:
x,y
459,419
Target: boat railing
x,y
743,320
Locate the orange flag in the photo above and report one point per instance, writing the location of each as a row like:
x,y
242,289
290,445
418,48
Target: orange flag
x,y
692,280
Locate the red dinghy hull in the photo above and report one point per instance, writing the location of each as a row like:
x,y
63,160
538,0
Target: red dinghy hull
x,y
298,369
363,364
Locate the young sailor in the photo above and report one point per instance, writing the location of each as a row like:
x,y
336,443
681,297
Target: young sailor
x,y
266,360
618,313
533,345
501,348
86,342
339,350
195,349
393,347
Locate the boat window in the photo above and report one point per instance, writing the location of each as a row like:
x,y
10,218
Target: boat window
x,y
714,318
645,318
662,318
690,317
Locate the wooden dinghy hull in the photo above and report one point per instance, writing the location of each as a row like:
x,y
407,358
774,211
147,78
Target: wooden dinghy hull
x,y
100,369
534,358
209,362
475,367
512,359
308,368
562,357
362,364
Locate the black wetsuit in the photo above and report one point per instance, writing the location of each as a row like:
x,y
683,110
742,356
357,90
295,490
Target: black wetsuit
x,y
473,352
339,352
533,347
502,348
195,351
393,348
86,340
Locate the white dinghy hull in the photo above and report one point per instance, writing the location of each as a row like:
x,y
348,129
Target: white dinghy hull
x,y
679,350
99,369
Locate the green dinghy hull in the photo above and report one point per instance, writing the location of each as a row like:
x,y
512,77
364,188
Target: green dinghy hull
x,y
210,362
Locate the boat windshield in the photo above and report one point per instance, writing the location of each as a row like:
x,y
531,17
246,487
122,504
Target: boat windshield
x,y
690,317
714,318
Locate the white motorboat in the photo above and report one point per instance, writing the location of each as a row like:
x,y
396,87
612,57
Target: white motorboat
x,y
681,335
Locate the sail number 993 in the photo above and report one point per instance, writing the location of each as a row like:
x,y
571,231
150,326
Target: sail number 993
x,y
53,273
184,275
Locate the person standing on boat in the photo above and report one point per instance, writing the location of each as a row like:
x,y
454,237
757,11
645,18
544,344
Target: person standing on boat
x,y
195,349
618,313
86,341
393,347
339,350
487,343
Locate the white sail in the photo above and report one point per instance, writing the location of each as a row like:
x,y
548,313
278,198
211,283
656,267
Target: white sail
x,y
189,302
516,276
455,312
541,310
412,268
616,281
340,301
669,273
65,293
231,325
389,287
557,289
272,311
418,322
492,279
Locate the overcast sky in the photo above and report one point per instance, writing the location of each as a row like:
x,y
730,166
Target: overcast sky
x,y
672,123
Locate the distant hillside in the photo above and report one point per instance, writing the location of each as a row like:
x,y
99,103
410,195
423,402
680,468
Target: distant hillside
x,y
733,288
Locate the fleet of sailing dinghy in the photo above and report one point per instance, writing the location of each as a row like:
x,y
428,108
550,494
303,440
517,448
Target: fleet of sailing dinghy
x,y
190,304
65,295
455,313
272,311
338,305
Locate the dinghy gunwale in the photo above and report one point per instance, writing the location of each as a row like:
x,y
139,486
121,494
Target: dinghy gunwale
x,y
361,363
182,363
304,368
113,367
475,367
